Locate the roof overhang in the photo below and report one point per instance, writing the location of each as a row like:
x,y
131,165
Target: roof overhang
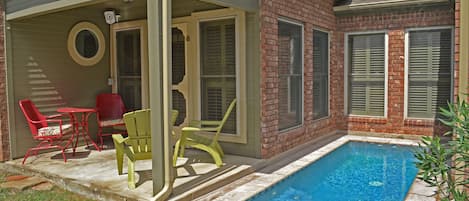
x,y
386,4
50,7
60,5
246,5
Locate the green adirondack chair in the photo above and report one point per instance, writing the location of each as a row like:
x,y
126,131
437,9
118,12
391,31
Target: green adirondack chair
x,y
190,139
137,146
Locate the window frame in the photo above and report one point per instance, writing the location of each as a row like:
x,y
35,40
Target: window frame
x,y
240,31
406,66
297,23
328,71
347,66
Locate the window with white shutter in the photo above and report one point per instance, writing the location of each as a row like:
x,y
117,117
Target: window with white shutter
x,y
290,68
218,70
320,74
429,72
366,74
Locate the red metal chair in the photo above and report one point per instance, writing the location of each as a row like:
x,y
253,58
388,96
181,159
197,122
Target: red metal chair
x,y
50,136
110,109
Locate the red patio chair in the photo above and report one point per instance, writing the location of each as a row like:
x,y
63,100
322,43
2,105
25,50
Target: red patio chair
x,y
50,136
110,109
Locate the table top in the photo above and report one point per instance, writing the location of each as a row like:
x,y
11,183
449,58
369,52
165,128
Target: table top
x,y
75,110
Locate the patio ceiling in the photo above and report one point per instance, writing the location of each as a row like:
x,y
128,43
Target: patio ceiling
x,y
129,9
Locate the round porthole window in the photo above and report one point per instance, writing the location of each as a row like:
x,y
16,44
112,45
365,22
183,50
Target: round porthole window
x,y
86,44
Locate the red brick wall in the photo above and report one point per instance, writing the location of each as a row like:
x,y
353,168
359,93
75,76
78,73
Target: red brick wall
x,y
312,14
4,134
319,13
396,22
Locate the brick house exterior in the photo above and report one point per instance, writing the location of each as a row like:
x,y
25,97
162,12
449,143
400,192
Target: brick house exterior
x,y
320,14
395,21
312,14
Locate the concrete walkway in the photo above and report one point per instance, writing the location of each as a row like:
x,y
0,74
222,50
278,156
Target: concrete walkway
x,y
94,174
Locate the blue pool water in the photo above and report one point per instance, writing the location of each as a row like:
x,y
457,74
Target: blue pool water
x,y
356,171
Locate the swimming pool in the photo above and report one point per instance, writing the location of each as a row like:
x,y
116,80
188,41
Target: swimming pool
x,y
354,171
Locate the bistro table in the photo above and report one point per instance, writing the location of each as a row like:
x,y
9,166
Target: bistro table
x,y
80,125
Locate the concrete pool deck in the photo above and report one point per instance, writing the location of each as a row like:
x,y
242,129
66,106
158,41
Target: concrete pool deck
x,y
255,183
94,174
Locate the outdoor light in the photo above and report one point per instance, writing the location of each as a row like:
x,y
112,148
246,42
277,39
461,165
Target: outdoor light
x,y
111,17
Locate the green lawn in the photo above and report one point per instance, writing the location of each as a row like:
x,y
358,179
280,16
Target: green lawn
x,y
56,194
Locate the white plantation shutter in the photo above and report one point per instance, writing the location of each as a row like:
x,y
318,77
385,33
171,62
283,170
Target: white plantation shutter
x,y
429,72
320,74
218,70
366,74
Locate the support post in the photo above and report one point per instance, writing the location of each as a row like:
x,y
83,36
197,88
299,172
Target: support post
x,y
159,51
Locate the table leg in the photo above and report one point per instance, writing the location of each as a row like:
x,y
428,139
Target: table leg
x,y
86,131
76,128
79,131
80,127
84,126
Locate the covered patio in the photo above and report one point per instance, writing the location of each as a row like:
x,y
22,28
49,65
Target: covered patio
x,y
188,55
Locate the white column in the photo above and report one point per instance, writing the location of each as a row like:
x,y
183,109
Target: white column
x,y
159,64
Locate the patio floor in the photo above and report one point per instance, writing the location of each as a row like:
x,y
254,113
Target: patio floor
x,y
94,174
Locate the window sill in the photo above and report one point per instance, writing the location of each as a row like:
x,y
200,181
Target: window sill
x,y
419,122
322,119
363,119
296,129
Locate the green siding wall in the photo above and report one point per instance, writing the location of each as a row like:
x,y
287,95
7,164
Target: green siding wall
x,y
41,69
253,71
40,44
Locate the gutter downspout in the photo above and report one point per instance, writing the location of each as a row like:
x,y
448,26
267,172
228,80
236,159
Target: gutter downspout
x,y
159,32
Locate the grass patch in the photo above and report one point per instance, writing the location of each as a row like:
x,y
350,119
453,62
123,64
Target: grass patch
x,y
55,194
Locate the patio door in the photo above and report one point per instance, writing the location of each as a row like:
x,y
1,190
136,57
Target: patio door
x,y
130,63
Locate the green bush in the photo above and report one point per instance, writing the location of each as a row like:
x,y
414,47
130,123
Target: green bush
x,y
446,165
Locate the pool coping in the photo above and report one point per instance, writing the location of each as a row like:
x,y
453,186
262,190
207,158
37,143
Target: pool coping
x,y
262,181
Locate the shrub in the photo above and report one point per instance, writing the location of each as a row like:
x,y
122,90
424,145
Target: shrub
x,y
446,165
